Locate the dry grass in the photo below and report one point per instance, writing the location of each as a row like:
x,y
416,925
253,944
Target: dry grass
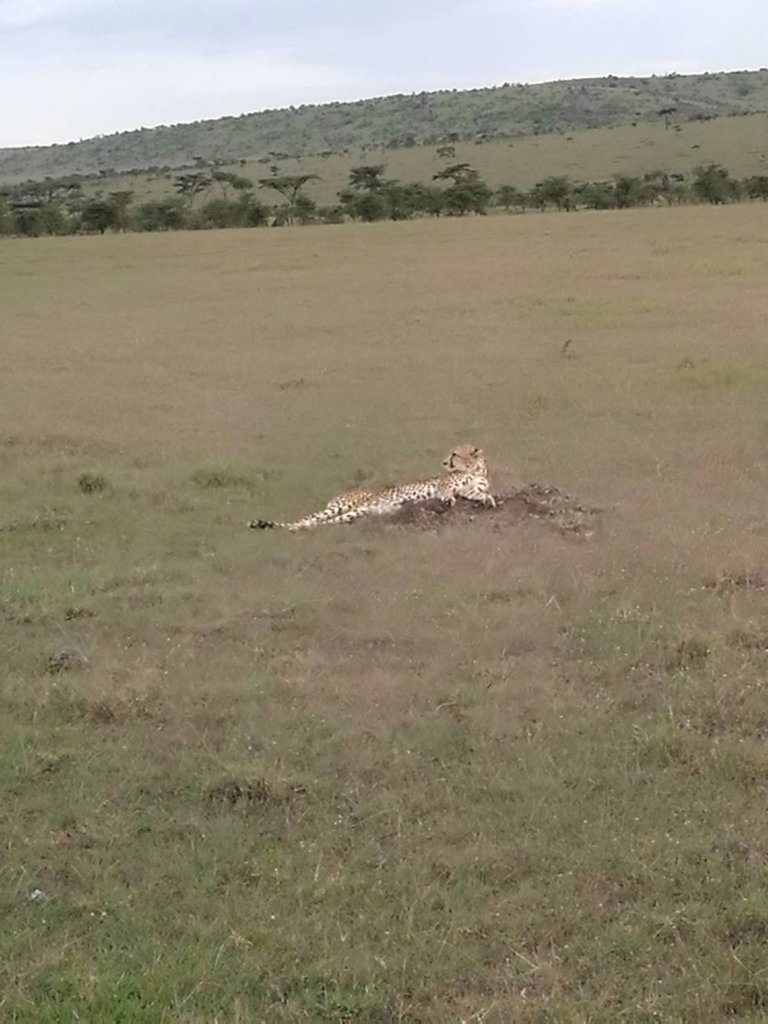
x,y
383,773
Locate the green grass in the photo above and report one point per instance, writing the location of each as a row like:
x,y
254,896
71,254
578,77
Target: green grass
x,y
379,773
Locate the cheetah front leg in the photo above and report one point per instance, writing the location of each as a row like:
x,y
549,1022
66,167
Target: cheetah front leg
x,y
480,495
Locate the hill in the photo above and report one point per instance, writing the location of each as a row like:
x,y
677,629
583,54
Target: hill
x,y
401,122
738,143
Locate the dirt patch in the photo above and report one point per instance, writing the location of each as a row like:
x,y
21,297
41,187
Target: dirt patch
x,y
535,501
250,794
729,583
747,640
688,654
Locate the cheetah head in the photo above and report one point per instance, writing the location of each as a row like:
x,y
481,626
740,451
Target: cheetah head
x,y
466,457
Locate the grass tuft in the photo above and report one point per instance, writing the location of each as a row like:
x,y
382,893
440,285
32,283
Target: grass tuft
x,y
92,483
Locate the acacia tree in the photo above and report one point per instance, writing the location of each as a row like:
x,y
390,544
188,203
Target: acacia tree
x,y
120,202
714,184
367,177
429,199
371,197
192,184
597,195
757,187
468,193
289,186
5,213
628,191
97,215
162,214
226,181
507,196
556,191
366,204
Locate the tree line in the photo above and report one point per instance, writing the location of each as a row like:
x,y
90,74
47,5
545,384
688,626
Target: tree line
x,y
205,199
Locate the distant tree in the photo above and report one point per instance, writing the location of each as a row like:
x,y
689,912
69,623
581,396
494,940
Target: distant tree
x,y
401,200
162,215
227,181
467,193
289,186
757,187
536,197
370,205
427,199
371,197
192,184
50,189
120,202
468,197
242,211
628,191
456,173
33,214
305,210
367,177
97,215
220,213
27,220
6,221
255,213
29,194
658,185
331,214
714,184
509,197
555,191
597,195
677,193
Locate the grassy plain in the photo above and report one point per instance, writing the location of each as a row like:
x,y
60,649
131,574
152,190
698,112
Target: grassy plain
x,y
373,773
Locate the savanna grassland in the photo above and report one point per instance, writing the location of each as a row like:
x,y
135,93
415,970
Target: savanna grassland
x,y
380,773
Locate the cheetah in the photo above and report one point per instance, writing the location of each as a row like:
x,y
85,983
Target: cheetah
x,y
466,477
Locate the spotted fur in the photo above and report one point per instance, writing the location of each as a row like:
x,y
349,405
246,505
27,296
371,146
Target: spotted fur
x,y
466,477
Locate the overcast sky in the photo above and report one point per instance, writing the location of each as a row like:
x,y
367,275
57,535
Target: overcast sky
x,y
70,69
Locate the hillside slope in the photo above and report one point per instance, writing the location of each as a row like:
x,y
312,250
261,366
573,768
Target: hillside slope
x,y
401,121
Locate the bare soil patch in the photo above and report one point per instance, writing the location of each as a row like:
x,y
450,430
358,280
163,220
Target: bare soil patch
x,y
534,501
729,583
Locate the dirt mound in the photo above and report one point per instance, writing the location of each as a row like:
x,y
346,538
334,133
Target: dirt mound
x,y
729,583
535,501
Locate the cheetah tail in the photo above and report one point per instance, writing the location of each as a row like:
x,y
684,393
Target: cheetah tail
x,y
262,524
269,524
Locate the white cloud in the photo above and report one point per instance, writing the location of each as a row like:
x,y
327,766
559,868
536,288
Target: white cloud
x,y
76,68
101,95
21,13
